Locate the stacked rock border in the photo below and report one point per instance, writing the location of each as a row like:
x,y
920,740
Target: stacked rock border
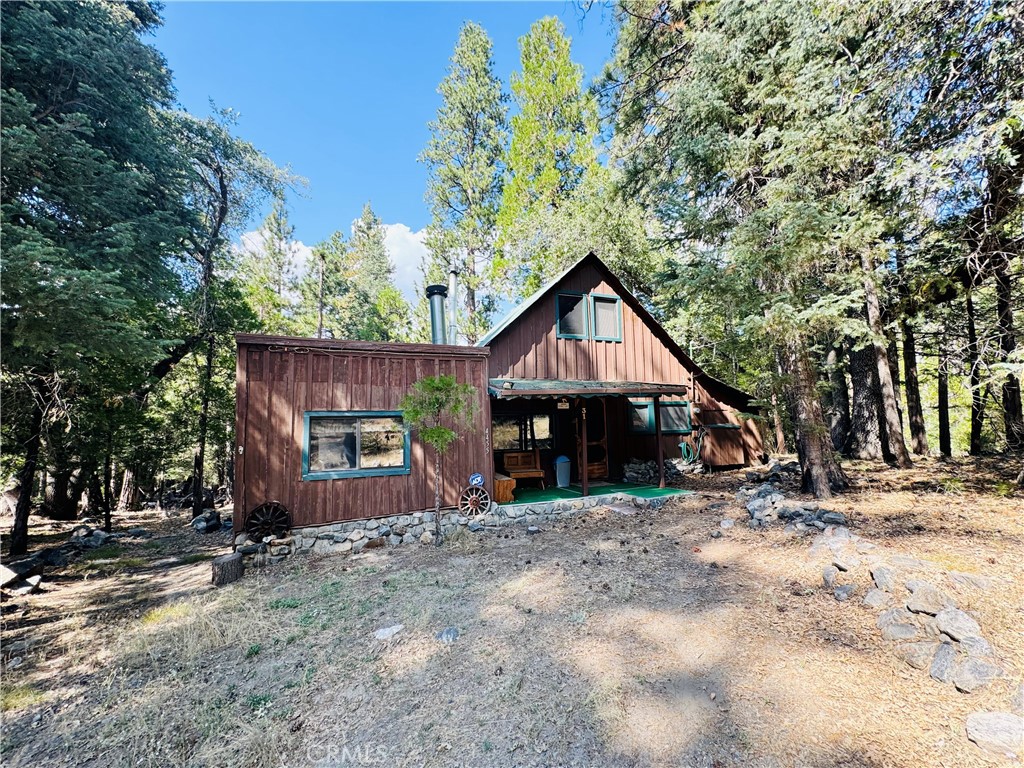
x,y
352,537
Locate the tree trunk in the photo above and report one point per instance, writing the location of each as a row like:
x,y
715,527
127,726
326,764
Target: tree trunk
x,y
915,411
945,444
780,432
890,412
126,499
839,399
108,489
1013,421
227,568
26,479
821,474
864,440
437,497
974,372
61,504
198,492
892,355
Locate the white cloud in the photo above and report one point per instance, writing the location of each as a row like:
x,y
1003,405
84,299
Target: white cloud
x,y
407,251
250,242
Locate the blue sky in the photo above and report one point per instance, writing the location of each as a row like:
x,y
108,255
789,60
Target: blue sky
x,y
342,92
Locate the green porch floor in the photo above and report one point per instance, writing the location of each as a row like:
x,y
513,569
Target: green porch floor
x,y
531,495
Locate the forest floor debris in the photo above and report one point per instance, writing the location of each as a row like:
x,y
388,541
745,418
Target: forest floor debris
x,y
641,642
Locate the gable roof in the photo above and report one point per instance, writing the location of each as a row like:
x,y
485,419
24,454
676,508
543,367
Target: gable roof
x,y
641,311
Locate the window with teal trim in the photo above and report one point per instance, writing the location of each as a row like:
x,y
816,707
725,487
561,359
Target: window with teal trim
x,y
675,417
354,444
571,315
606,312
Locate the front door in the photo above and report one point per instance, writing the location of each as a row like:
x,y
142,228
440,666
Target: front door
x,y
597,438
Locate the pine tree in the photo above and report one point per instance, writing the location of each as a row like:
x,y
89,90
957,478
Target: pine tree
x,y
464,161
372,269
383,313
327,305
550,154
266,271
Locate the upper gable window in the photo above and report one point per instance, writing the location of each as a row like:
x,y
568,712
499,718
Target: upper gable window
x,y
571,315
607,317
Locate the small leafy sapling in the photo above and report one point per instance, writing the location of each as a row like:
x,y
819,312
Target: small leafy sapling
x,y
440,409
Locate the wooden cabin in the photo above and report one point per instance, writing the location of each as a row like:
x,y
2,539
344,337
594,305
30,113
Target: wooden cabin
x,y
582,370
579,371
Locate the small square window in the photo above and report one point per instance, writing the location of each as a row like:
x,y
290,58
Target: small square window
x,y
571,309
607,318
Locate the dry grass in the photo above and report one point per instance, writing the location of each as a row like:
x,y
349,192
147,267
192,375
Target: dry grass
x,y
607,640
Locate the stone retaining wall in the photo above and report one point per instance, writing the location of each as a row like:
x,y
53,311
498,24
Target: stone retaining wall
x,y
356,535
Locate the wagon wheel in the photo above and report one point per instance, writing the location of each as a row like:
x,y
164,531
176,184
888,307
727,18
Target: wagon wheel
x,y
474,500
270,519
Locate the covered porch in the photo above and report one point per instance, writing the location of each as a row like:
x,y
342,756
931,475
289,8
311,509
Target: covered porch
x,y
563,440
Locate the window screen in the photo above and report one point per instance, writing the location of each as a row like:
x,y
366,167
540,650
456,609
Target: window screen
x,y
675,417
572,315
606,318
638,417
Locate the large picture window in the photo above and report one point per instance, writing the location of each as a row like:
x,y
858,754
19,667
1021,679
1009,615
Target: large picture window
x,y
607,317
571,311
675,417
354,444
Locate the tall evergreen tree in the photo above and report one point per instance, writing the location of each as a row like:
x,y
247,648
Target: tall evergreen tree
x,y
384,313
551,151
464,161
327,305
92,215
266,271
372,269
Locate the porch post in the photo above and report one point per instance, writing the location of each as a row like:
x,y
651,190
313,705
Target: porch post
x,y
584,479
657,439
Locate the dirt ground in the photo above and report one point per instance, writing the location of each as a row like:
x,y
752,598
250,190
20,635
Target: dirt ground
x,y
610,640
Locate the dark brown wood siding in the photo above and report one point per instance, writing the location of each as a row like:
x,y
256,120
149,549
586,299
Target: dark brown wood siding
x,y
278,380
530,349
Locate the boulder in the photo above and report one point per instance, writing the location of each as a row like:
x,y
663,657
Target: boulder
x,y
900,632
974,674
844,592
925,598
845,561
829,574
835,518
1000,733
943,663
448,635
20,570
977,647
894,616
884,577
918,655
386,633
957,624
876,598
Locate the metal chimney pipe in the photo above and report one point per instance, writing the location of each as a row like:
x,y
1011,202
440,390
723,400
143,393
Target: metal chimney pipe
x,y
436,294
453,308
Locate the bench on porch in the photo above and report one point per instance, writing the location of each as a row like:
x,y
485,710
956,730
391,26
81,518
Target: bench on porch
x,y
521,465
